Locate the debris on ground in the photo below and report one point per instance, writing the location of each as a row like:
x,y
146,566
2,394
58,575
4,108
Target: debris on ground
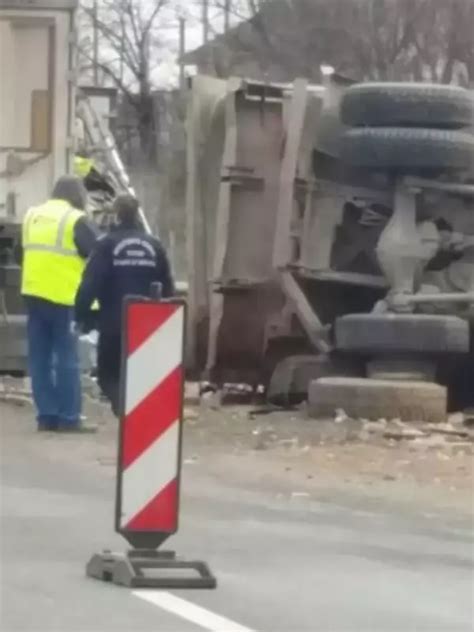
x,y
16,391
449,429
388,460
456,433
403,433
16,399
189,414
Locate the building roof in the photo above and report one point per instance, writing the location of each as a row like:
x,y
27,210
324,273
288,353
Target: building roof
x,y
239,34
269,46
246,34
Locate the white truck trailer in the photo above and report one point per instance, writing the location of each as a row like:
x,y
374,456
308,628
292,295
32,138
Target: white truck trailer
x,y
36,100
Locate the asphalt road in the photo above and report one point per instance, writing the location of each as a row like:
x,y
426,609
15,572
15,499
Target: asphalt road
x,y
289,564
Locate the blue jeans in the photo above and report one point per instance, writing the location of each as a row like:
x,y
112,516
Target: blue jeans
x,y
54,363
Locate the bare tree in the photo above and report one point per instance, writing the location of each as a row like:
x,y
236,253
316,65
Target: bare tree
x,y
441,42
129,46
369,39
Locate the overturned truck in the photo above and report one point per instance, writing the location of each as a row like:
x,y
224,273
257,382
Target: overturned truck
x,y
331,233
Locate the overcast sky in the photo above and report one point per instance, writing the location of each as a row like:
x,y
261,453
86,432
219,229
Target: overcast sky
x,y
167,72
165,69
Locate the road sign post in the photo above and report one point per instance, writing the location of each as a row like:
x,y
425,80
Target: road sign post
x,y
149,452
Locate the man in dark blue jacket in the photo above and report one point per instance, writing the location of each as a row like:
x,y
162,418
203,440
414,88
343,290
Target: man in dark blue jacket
x,y
125,262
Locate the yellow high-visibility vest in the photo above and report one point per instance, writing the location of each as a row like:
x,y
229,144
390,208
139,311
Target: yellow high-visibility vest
x,y
82,166
52,268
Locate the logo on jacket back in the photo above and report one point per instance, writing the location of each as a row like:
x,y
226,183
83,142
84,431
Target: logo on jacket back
x,y
134,252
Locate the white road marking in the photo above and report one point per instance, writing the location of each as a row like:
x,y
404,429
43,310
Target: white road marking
x,y
189,611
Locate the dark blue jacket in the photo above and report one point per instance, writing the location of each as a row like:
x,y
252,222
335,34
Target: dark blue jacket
x,y
125,262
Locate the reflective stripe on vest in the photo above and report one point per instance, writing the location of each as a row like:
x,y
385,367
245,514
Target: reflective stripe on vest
x,y
57,248
52,267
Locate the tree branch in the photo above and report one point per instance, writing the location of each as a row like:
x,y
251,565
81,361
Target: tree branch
x,y
160,4
116,41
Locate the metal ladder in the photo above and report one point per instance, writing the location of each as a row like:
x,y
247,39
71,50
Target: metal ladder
x,y
104,142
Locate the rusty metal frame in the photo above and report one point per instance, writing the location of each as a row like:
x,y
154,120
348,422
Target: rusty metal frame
x,y
278,299
282,245
313,327
250,109
216,301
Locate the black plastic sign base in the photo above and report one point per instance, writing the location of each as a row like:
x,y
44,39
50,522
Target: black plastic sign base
x,y
140,568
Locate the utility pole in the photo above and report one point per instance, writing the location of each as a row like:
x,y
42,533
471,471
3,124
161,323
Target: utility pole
x,y
182,50
207,62
226,15
205,21
122,44
95,35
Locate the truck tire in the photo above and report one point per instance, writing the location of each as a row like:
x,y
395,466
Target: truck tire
x,y
362,398
401,333
408,149
404,369
291,378
407,105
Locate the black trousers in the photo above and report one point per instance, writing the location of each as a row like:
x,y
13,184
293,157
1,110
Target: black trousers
x,y
108,368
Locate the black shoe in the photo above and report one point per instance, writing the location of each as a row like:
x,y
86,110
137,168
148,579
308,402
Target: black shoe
x,y
47,423
47,427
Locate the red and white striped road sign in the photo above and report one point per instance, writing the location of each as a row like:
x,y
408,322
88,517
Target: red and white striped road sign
x,y
150,433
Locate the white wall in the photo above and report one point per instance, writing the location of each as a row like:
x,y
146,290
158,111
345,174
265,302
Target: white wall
x,y
24,47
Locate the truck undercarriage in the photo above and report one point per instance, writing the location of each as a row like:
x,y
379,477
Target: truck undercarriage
x,y
322,220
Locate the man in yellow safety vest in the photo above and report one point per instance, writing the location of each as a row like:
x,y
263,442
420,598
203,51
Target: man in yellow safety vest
x,y
57,239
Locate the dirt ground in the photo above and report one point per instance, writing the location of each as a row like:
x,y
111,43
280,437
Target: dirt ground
x,y
417,469
330,460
